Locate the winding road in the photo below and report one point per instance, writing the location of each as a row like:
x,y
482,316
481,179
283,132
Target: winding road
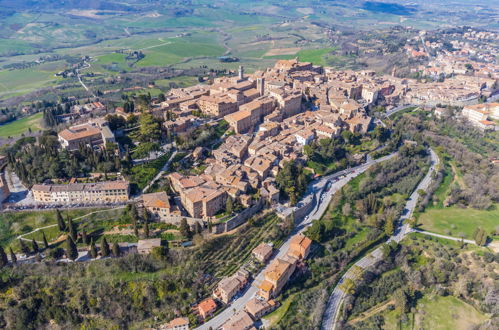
x,y
337,297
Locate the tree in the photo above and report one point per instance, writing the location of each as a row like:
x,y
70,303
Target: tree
x,y
480,236
290,222
71,251
13,257
160,252
198,229
93,249
150,130
146,227
104,247
389,227
45,242
84,237
72,230
346,209
292,181
116,249
134,214
4,261
34,246
229,205
401,300
185,230
23,246
60,221
210,226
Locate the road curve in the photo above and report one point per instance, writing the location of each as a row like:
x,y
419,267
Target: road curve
x,y
330,317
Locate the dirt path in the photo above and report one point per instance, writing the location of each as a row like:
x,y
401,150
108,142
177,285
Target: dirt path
x,y
370,312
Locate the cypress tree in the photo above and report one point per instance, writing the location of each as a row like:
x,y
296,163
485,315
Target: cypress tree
x,y
146,228
229,205
185,230
104,247
34,245
45,242
116,249
23,246
60,220
136,231
84,237
71,251
198,228
72,230
13,257
4,261
93,249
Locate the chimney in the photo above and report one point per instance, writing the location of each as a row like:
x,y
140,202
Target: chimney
x,y
260,85
241,72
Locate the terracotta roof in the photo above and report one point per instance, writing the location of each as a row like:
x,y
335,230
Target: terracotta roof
x,y
240,321
208,305
277,268
79,132
158,199
266,286
179,321
301,240
238,115
263,249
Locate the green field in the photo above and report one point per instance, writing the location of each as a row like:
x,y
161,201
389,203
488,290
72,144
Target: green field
x,y
13,82
111,62
316,56
176,51
456,221
21,126
438,313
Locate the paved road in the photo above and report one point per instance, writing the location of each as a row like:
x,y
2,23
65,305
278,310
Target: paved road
x,y
160,174
338,295
397,109
316,188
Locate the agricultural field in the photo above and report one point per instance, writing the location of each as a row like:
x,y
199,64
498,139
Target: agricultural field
x,y
14,82
176,51
21,126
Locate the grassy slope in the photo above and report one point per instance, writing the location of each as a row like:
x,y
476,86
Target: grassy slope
x,y
440,313
21,126
458,220
14,224
455,220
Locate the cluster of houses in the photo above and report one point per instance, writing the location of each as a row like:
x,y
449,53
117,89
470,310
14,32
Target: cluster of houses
x,y
271,114
276,275
482,115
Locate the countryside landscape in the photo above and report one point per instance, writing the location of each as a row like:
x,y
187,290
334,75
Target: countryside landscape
x,y
238,164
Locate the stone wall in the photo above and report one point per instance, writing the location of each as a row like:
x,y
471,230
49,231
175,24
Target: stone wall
x,y
175,220
238,219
